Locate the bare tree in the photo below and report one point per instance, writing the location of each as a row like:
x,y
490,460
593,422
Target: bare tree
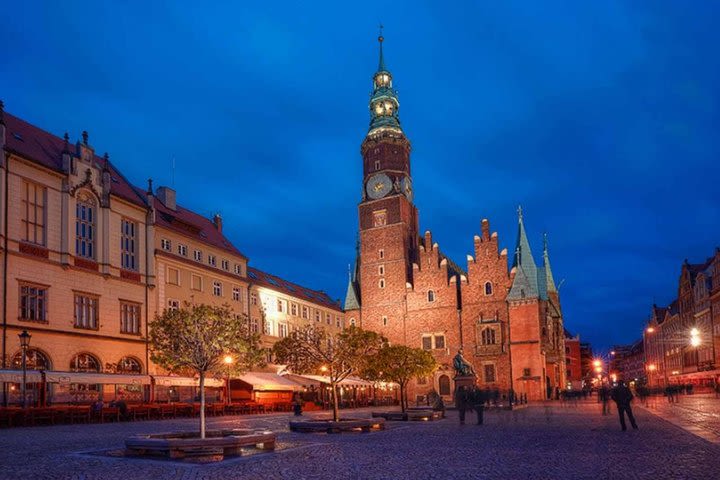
x,y
312,350
196,338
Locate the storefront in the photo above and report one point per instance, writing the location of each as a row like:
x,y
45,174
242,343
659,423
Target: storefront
x,y
172,389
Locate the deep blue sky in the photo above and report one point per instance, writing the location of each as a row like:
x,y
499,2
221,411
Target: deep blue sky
x,y
600,119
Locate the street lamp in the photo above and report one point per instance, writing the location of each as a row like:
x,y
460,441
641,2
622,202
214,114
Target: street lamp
x,y
24,343
695,337
228,360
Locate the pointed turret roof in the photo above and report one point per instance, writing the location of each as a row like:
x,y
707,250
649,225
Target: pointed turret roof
x,y
546,281
525,283
384,104
352,299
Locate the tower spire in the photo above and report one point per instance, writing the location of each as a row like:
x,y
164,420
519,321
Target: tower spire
x,y
548,280
381,63
525,284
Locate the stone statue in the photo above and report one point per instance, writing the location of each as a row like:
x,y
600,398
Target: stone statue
x,y
462,366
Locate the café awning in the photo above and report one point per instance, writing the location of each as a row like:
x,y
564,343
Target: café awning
x,y
173,381
261,381
347,382
96,378
15,376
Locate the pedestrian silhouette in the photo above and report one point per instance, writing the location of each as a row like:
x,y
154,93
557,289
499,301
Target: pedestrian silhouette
x,y
622,396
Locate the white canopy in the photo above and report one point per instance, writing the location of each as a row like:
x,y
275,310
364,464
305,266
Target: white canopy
x,y
348,382
15,376
173,381
262,381
97,378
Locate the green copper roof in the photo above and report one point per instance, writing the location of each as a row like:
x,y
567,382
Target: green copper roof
x,y
525,284
548,279
384,105
352,299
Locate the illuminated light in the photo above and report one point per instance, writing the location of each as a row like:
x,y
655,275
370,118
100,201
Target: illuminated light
x,y
695,341
650,329
597,363
323,368
228,359
694,332
612,352
652,367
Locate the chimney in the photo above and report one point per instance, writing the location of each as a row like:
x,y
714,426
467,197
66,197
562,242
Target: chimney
x,y
167,196
217,220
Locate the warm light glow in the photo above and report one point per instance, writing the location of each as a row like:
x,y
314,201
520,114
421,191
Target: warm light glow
x,y
695,337
650,329
598,369
323,368
228,359
614,377
612,353
694,332
651,367
597,363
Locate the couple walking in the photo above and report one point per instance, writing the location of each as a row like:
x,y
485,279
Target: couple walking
x,y
470,398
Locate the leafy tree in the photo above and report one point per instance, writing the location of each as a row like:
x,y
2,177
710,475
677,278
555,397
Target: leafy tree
x,y
311,350
399,364
196,338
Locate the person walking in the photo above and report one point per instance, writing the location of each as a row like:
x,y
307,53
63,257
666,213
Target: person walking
x,y
297,404
462,402
622,396
604,397
479,398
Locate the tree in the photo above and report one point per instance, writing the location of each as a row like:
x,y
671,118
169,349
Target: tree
x,y
311,350
399,364
196,338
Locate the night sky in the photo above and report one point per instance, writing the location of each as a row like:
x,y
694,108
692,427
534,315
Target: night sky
x,y
601,120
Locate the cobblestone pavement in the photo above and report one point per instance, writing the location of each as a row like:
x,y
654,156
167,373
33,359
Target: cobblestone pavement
x,y
698,414
551,441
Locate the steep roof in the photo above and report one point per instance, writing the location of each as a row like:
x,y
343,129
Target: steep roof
x,y
46,149
194,225
352,299
525,283
274,282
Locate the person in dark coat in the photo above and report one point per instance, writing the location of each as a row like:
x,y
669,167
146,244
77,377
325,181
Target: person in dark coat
x,y
622,396
462,402
479,398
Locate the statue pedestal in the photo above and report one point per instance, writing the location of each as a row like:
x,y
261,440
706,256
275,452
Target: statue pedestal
x,y
467,381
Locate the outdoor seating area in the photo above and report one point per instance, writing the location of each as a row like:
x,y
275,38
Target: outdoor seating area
x,y
70,414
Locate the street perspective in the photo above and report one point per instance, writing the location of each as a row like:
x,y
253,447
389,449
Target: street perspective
x,y
360,240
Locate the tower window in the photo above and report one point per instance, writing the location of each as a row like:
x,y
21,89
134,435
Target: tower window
x,y
381,253
488,288
352,322
380,218
384,321
381,283
431,296
377,164
381,270
487,336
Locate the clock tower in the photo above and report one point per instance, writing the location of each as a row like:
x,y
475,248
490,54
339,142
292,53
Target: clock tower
x,y
388,217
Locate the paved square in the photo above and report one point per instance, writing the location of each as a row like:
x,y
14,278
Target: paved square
x,y
569,442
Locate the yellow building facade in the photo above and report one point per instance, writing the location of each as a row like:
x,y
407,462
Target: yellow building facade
x,y
88,259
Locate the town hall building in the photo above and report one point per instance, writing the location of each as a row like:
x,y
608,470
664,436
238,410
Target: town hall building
x,y
507,321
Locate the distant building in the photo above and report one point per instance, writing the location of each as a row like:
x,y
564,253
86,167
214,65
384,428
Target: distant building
x,y
628,363
573,361
682,340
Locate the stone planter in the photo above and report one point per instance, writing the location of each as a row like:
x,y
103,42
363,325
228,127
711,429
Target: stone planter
x,y
364,425
189,445
421,414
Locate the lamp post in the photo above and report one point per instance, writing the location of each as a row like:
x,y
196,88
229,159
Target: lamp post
x,y
228,360
24,343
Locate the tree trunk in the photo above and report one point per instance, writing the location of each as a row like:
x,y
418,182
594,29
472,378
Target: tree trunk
x,y
336,408
402,397
202,404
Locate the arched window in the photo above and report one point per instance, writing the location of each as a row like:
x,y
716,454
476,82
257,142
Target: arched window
x,y
352,322
84,362
444,385
431,296
487,336
85,213
129,365
488,288
34,360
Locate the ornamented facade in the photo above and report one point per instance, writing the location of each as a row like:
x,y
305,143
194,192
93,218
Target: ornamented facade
x,y
88,258
507,321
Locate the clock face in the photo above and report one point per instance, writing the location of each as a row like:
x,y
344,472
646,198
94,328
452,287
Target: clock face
x,y
378,186
406,187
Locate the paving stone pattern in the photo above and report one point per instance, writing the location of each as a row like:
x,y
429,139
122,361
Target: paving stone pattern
x,y
552,441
